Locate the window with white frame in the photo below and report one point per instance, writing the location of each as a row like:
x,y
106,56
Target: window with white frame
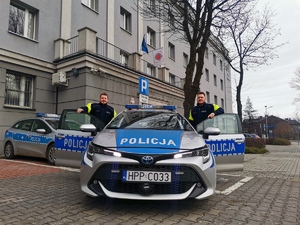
x,y
151,37
125,20
222,84
124,57
185,59
206,52
214,59
207,75
215,99
93,4
151,70
207,96
18,90
22,20
215,79
171,51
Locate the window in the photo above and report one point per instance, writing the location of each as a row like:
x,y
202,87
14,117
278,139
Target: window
x,y
171,51
18,90
206,52
151,70
208,96
171,20
124,57
125,20
215,79
185,60
150,4
150,37
93,4
22,21
222,84
172,79
207,75
222,103
215,99
214,59
221,65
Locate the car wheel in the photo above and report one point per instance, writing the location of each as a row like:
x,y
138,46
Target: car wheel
x,y
50,154
9,151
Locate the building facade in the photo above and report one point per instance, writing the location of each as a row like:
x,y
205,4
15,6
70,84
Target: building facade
x,y
65,53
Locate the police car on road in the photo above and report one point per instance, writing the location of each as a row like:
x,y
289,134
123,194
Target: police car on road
x,y
32,137
153,153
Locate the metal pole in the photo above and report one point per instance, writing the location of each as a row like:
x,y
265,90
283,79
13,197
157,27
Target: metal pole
x,y
266,123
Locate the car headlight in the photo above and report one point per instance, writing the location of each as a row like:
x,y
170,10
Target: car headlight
x,y
94,149
203,151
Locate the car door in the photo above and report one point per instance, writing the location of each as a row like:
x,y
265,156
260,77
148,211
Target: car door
x,y
21,138
39,141
229,146
70,141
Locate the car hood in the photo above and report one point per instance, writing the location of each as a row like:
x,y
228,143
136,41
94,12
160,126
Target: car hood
x,y
149,141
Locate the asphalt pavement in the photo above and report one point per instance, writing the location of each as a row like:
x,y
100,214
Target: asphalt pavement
x,y
266,192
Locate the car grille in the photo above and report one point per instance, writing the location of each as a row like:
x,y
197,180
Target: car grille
x,y
179,184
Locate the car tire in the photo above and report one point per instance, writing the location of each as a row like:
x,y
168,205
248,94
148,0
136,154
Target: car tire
x,y
50,154
9,151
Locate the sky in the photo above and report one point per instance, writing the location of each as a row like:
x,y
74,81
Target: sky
x,y
268,85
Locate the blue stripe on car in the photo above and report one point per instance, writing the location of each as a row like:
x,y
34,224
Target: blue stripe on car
x,y
148,141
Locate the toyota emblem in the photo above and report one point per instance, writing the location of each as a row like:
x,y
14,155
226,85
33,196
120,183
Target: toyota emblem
x,y
147,160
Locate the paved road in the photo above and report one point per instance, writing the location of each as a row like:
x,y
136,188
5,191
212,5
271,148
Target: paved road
x,y
267,193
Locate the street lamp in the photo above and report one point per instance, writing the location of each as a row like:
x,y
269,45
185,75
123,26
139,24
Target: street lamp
x,y
267,131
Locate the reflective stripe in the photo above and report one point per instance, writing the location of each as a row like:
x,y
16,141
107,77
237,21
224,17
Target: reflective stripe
x,y
216,107
190,116
115,113
89,107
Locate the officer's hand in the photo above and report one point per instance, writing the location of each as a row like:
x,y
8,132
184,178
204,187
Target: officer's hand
x,y
79,110
210,116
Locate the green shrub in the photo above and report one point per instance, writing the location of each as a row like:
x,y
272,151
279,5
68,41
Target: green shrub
x,y
255,142
255,150
278,141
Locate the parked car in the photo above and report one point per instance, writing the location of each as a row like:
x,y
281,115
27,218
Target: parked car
x,y
32,137
251,135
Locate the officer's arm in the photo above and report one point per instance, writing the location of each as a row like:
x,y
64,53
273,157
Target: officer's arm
x,y
218,110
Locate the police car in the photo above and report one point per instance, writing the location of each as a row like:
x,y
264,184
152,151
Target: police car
x,y
32,137
153,153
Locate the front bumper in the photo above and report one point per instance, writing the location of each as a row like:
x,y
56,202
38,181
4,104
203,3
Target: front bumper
x,y
190,178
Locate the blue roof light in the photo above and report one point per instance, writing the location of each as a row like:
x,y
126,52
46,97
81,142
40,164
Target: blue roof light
x,y
146,106
47,115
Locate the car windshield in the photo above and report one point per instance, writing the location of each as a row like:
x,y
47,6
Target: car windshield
x,y
53,123
150,119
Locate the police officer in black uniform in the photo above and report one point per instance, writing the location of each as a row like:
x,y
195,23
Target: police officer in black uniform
x,y
101,110
203,110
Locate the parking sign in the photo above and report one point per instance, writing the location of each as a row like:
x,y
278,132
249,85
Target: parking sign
x,y
143,86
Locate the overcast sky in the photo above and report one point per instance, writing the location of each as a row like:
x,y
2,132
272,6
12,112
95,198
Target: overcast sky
x,y
269,85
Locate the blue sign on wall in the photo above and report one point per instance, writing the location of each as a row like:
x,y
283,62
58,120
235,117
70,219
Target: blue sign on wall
x,y
143,86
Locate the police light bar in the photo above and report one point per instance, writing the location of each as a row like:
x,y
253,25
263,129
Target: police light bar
x,y
47,115
146,106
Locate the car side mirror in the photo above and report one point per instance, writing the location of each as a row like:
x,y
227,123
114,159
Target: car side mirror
x,y
89,128
210,131
41,131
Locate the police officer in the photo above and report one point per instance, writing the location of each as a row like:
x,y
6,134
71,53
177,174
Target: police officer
x,y
203,110
101,110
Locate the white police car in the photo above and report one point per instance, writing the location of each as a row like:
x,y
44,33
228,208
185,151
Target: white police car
x,y
153,153
32,137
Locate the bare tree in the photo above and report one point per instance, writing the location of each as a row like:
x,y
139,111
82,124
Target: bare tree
x,y
190,21
295,83
249,37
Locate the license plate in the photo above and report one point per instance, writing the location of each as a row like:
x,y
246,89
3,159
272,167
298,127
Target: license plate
x,y
146,176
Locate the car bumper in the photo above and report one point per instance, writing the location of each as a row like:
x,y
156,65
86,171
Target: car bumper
x,y
103,177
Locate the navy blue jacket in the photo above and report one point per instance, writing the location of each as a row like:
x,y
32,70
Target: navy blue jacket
x,y
103,112
200,113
